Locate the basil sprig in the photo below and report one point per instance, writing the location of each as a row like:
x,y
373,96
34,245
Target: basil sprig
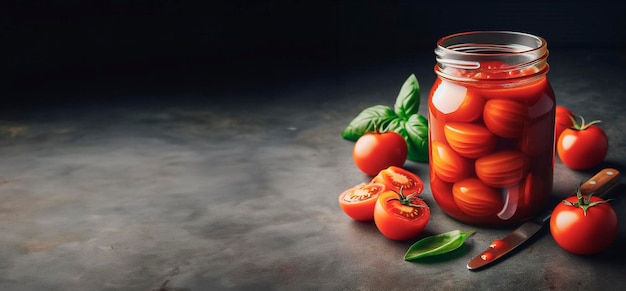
x,y
437,244
402,119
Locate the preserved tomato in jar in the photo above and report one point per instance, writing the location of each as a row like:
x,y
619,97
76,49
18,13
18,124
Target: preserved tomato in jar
x,y
491,118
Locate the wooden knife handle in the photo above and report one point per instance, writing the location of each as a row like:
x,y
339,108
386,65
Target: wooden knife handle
x,y
600,184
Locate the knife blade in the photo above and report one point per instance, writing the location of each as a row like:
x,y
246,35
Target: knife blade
x,y
600,184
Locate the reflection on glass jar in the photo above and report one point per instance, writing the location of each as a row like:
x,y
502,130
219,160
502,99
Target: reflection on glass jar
x,y
491,119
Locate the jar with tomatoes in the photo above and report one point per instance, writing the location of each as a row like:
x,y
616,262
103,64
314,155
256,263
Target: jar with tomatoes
x,y
491,118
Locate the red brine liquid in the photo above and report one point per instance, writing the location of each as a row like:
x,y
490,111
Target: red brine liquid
x,y
491,143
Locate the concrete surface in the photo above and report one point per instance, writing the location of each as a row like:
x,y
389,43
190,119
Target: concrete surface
x,y
238,191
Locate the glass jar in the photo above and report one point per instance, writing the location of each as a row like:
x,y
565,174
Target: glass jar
x,y
491,119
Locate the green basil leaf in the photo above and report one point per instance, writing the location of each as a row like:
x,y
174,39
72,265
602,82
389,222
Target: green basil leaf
x,y
397,125
408,100
437,244
417,138
374,117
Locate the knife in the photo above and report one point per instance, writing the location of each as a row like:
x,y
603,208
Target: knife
x,y
600,184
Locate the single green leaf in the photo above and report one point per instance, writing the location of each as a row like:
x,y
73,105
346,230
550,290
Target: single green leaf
x,y
371,118
417,138
408,100
437,244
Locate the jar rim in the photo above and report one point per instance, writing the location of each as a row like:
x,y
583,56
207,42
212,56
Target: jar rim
x,y
507,42
468,50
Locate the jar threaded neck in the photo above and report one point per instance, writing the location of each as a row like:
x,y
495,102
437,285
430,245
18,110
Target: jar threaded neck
x,y
469,56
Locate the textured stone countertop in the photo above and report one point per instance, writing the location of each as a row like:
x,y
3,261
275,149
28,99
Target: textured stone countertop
x,y
238,190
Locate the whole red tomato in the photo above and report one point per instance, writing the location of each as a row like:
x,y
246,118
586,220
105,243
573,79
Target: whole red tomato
x,y
400,217
582,146
376,151
584,224
562,120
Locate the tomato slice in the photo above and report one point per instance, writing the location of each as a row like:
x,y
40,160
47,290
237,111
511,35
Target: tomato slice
x,y
358,202
400,221
396,178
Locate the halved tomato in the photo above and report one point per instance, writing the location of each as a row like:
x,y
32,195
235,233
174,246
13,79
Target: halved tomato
x,y
476,199
502,169
447,164
469,139
505,118
400,217
396,178
358,202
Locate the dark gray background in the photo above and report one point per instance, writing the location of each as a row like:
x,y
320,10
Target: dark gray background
x,y
122,47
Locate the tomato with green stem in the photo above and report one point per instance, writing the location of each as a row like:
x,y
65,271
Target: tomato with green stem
x,y
584,224
375,151
582,146
400,217
358,202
